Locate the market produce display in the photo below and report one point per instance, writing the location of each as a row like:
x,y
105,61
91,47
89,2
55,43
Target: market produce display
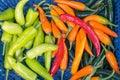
x,y
66,35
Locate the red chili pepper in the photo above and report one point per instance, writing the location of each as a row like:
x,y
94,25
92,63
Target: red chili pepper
x,y
87,28
58,58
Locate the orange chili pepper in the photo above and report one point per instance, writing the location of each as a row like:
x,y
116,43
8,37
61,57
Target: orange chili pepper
x,y
80,45
58,22
83,72
74,4
103,28
72,35
45,22
67,9
64,62
87,48
95,78
98,18
112,61
103,37
55,30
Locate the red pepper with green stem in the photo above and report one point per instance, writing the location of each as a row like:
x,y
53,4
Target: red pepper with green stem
x,y
91,34
58,58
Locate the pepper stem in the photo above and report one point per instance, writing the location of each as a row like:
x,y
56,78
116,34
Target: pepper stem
x,y
22,59
112,24
71,55
37,26
98,66
104,47
111,45
70,45
48,6
62,74
35,9
106,78
4,48
88,9
69,29
7,72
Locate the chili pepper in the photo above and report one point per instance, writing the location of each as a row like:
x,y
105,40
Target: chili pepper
x,y
27,35
58,22
47,55
103,38
87,48
83,72
45,22
19,16
58,58
67,9
19,54
75,5
82,14
72,35
111,59
64,62
39,37
13,39
40,49
54,52
32,15
106,78
103,28
87,29
110,11
12,28
80,45
29,44
7,14
99,19
38,68
55,30
6,38
22,70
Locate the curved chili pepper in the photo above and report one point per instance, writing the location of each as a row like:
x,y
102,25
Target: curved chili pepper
x,y
29,44
12,28
7,14
19,16
58,58
87,28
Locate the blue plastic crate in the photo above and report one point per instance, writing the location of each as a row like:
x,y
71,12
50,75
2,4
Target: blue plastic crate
x,y
4,4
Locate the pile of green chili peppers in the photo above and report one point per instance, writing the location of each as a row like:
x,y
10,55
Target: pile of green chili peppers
x,y
22,33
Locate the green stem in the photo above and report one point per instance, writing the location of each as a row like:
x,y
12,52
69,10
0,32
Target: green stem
x,y
62,74
69,29
22,59
104,47
38,25
35,9
101,60
70,45
112,24
71,55
4,48
88,9
111,45
7,72
106,78
96,67
48,6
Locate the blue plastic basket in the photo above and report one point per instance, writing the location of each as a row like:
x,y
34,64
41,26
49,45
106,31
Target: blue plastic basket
x,y
4,4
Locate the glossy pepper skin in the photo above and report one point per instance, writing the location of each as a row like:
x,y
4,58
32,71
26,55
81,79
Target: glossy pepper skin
x,y
58,58
12,28
6,37
40,49
38,68
31,17
88,30
7,14
21,70
47,55
27,35
19,15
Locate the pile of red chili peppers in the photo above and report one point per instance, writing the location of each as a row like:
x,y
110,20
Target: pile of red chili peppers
x,y
68,36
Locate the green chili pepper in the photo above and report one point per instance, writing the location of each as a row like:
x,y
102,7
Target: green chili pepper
x,y
12,28
21,41
39,38
32,15
47,55
13,39
29,44
6,38
22,70
40,49
19,54
7,14
19,15
38,68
